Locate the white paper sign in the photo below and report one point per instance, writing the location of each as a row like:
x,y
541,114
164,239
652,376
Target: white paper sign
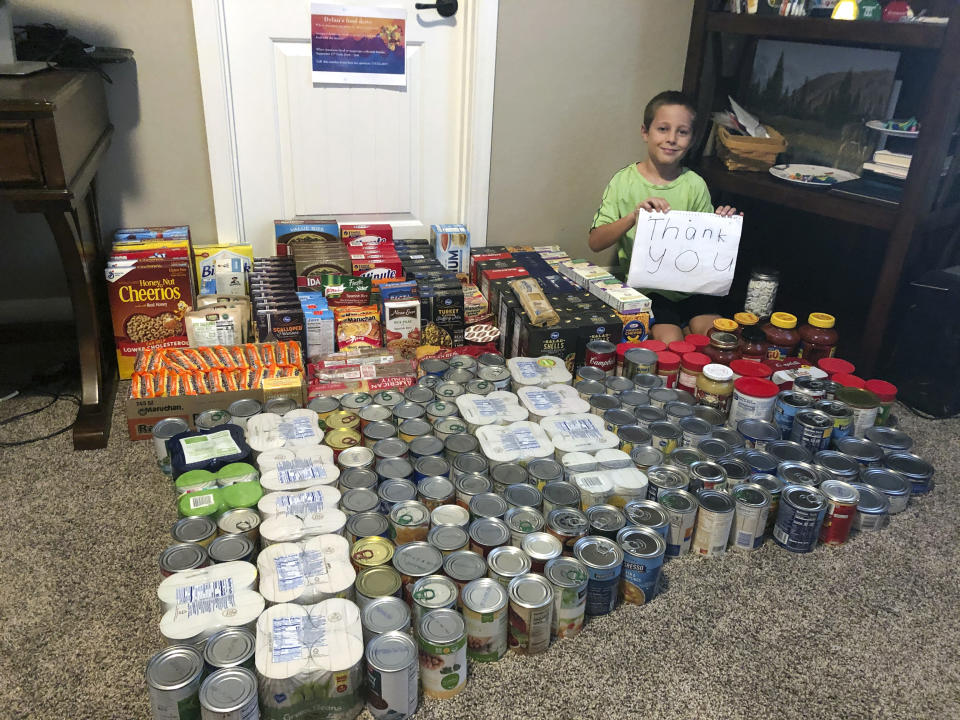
x,y
685,251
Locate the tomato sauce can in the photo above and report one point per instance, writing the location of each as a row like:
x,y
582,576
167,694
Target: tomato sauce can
x,y
601,355
842,499
442,636
750,516
681,508
603,559
393,676
569,579
714,521
799,517
643,555
485,614
531,614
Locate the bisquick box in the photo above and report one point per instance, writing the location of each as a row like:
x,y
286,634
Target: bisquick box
x,y
223,269
290,233
451,244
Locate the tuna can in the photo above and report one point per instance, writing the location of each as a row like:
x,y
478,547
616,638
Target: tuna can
x,y
377,582
569,579
488,533
231,548
798,473
601,355
434,366
864,405
665,436
889,439
488,505
409,522
199,530
464,566
416,395
842,499
280,405
469,463
914,469
785,408
648,513
531,614
469,486
603,559
681,509
660,397
393,676
894,486
643,555
788,450
799,518
388,399
522,495
586,389
443,653
695,431
639,360
443,406
867,453
605,520
661,478
484,602
567,525
647,415
838,465
507,562
459,444
714,521
210,419
391,448
434,592
588,372
356,458
750,516
435,491
173,677
541,548
677,411
841,415
506,474
812,429
737,470
499,375
599,404
414,561
240,521
757,433
873,510
230,647
373,413
366,524
559,494
522,521
630,400
543,471
617,418
413,428
371,551
181,557
229,694
616,384
162,431
706,475
448,539
374,432
480,387
450,515
714,449
381,615
646,457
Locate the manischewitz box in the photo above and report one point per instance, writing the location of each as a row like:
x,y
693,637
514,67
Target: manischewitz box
x,y
290,233
451,243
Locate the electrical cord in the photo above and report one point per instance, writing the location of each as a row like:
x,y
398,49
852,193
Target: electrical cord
x,y
55,396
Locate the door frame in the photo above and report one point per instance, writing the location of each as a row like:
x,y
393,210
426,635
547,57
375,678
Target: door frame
x,y
480,46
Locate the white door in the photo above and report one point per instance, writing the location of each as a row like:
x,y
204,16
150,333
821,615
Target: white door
x,y
282,148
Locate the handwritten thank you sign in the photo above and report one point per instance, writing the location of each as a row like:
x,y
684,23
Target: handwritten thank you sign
x,y
685,251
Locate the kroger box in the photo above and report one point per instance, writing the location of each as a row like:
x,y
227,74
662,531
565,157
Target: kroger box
x,y
451,244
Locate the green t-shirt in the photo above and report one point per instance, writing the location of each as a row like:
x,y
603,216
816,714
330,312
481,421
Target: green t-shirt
x,y
628,187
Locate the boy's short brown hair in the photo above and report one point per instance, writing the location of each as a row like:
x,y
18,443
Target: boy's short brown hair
x,y
667,97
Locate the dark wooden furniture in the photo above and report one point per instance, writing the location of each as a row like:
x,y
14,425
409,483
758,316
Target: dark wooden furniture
x,y
930,203
54,131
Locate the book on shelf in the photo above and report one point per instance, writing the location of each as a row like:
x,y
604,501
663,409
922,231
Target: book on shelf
x,y
900,173
885,157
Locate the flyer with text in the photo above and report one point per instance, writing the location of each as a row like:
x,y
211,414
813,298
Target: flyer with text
x,y
358,45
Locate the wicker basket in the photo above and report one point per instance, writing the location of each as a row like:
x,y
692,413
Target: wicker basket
x,y
740,152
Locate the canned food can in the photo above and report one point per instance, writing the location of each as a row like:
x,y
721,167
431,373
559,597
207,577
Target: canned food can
x,y
541,548
812,429
162,431
714,521
469,463
603,559
416,395
648,513
542,471
774,486
646,457
838,465
442,638
450,515
522,495
661,478
793,472
199,530
409,522
866,453
448,538
707,475
750,516
863,404
889,439
507,562
394,468
661,397
384,614
323,406
531,613
459,444
695,430
484,603
413,561
665,436
388,399
340,439
366,524
240,521
359,500
182,557
842,499
490,359
376,431
229,694
616,384
895,487
230,647
605,520
434,592
617,418
681,509
560,494
632,436
393,676
799,518
487,505
373,413
280,405
358,478
643,555
469,486
630,400
586,389
506,474
480,387
757,433
444,405
371,551
714,449
435,491
358,457
785,409
683,457
173,678
210,419
499,375
377,582
410,430
464,566
639,361
434,366
677,411
917,471
568,525
391,448
522,521
569,579
599,404
589,372
841,415
343,419
789,451
601,355
232,548
486,533
873,510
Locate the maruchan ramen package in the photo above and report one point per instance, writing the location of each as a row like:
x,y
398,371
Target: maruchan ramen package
x,y
357,327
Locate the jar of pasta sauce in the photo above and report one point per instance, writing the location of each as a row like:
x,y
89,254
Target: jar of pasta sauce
x,y
723,325
668,367
745,319
818,339
782,336
753,344
723,349
715,387
691,367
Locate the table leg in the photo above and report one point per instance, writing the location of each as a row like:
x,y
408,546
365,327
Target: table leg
x,y
77,233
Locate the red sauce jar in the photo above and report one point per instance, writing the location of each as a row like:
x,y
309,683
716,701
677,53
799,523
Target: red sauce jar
x,y
753,344
724,325
832,365
750,369
691,367
698,341
846,380
655,345
723,349
818,339
745,319
782,336
668,367
681,348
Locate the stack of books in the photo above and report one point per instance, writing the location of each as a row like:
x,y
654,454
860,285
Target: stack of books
x,y
889,164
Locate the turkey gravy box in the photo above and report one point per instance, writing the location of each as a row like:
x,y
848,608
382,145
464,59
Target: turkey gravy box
x,y
451,243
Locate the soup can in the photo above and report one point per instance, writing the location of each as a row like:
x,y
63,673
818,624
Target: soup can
x,y
750,516
603,559
480,387
785,409
677,411
873,509
409,522
229,694
531,613
442,638
643,555
799,518
812,429
393,676
448,538
434,592
484,602
162,431
714,520
605,520
842,499
798,473
377,582
757,433
384,614
601,355
568,525
230,647
681,509
648,513
394,468
917,471
173,678
569,579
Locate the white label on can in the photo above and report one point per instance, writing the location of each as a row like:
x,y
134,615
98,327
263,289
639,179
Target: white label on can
x,y
286,639
314,565
590,481
749,524
519,440
744,407
490,408
301,503
298,470
199,448
289,572
486,633
214,596
863,420
297,429
199,501
713,531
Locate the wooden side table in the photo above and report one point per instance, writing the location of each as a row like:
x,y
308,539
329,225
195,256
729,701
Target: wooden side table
x,y
54,131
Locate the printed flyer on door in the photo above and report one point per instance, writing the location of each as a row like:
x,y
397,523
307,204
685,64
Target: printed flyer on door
x,y
358,45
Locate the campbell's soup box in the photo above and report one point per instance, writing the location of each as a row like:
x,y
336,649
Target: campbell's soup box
x,y
290,233
451,243
148,300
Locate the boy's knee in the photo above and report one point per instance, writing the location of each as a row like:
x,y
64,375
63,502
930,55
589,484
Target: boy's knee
x,y
664,332
701,324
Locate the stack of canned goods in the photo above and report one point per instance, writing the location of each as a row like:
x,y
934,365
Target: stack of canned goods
x,y
461,519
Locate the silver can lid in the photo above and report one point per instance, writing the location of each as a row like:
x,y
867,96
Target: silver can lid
x,y
751,495
431,465
666,477
280,405
429,381
360,500
448,537
837,464
524,519
450,515
471,463
385,614
598,552
417,394
388,398
358,478
798,473
602,401
530,591
889,438
697,427
662,396
803,497
230,647
245,407
589,372
814,419
434,366
647,381
391,651
544,470
714,448
509,474
541,546
640,356
761,460
633,434
390,448
591,387
461,443
228,548
485,595
407,410
859,449
441,627
491,359
508,561
715,501
323,404
397,491
379,430
228,690
619,418
434,591
730,437
793,399
193,529
665,430
678,411
355,457
641,542
209,419
606,517
465,565
711,415
417,559
239,520
367,524
566,572
886,481
561,493
489,532
522,495
426,446
418,427
757,429
735,468
646,456
410,512
872,501
633,398
168,427
480,387
839,492
648,513
444,392
183,556
174,667
649,414
394,468
771,483
678,501
473,484
685,457
435,487
618,384
707,471
488,505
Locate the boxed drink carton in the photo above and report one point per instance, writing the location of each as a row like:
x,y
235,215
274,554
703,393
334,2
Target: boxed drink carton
x,y
451,243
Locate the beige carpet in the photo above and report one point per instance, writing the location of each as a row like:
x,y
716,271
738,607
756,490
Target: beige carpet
x,y
867,630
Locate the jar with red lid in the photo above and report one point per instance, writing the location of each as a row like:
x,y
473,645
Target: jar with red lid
x,y
833,365
750,368
782,335
668,367
723,325
753,344
887,392
847,380
818,339
691,367
745,319
681,347
655,345
723,349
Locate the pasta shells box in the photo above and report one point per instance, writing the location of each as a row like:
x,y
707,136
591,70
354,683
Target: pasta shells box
x,y
559,341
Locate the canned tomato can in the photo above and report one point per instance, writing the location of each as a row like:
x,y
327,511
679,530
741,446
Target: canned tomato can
x,y
464,566
531,614
569,579
757,433
371,551
450,515
434,592
229,694
603,559
913,468
681,509
799,518
605,520
393,676
448,538
866,453
541,548
842,499
643,555
522,495
230,647
507,562
714,521
894,486
785,409
199,530
873,509
162,431
173,678
435,491
377,582
442,638
232,548
750,516
388,613
812,429
647,513
484,602
646,457
374,432
522,521
409,522
695,430
840,413
568,525
486,533
601,355
372,413
665,436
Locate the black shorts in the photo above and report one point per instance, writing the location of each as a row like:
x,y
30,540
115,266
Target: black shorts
x,y
679,312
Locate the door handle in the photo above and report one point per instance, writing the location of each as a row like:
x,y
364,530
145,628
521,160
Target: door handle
x,y
446,8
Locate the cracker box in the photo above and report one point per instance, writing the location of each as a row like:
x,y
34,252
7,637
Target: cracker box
x,y
291,233
451,244
366,234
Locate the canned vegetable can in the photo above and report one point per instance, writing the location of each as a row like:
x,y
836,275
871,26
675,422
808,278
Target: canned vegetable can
x,y
442,639
714,520
484,603
531,613
393,676
799,518
173,678
568,576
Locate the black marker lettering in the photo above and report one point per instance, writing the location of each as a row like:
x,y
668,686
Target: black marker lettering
x,y
652,222
668,228
721,269
658,260
696,261
691,233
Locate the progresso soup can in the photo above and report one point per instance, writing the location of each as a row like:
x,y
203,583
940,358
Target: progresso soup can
x,y
799,518
643,554
603,559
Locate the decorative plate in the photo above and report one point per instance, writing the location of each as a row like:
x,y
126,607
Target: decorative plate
x,y
814,175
